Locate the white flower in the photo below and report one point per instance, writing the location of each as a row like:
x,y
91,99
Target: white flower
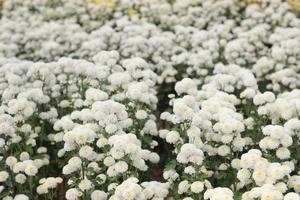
x,y
101,142
235,163
85,184
86,152
183,187
286,140
129,189
189,170
172,137
155,189
72,194
3,176
98,195
109,161
141,114
291,196
187,86
93,95
227,128
121,167
190,153
82,135
111,128
170,174
283,153
31,170
21,197
193,132
281,186
218,193
24,156
197,187
243,175
224,150
20,178
259,176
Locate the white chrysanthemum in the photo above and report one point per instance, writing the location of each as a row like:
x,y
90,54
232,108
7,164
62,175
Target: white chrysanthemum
x,y
98,195
3,176
197,187
73,194
31,170
85,185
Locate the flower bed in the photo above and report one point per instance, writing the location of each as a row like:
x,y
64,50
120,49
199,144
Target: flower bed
x,y
150,99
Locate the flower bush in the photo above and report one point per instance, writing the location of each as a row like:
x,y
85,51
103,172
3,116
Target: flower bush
x,y
150,99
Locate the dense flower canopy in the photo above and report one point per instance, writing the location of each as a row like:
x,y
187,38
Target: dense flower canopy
x,y
150,99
